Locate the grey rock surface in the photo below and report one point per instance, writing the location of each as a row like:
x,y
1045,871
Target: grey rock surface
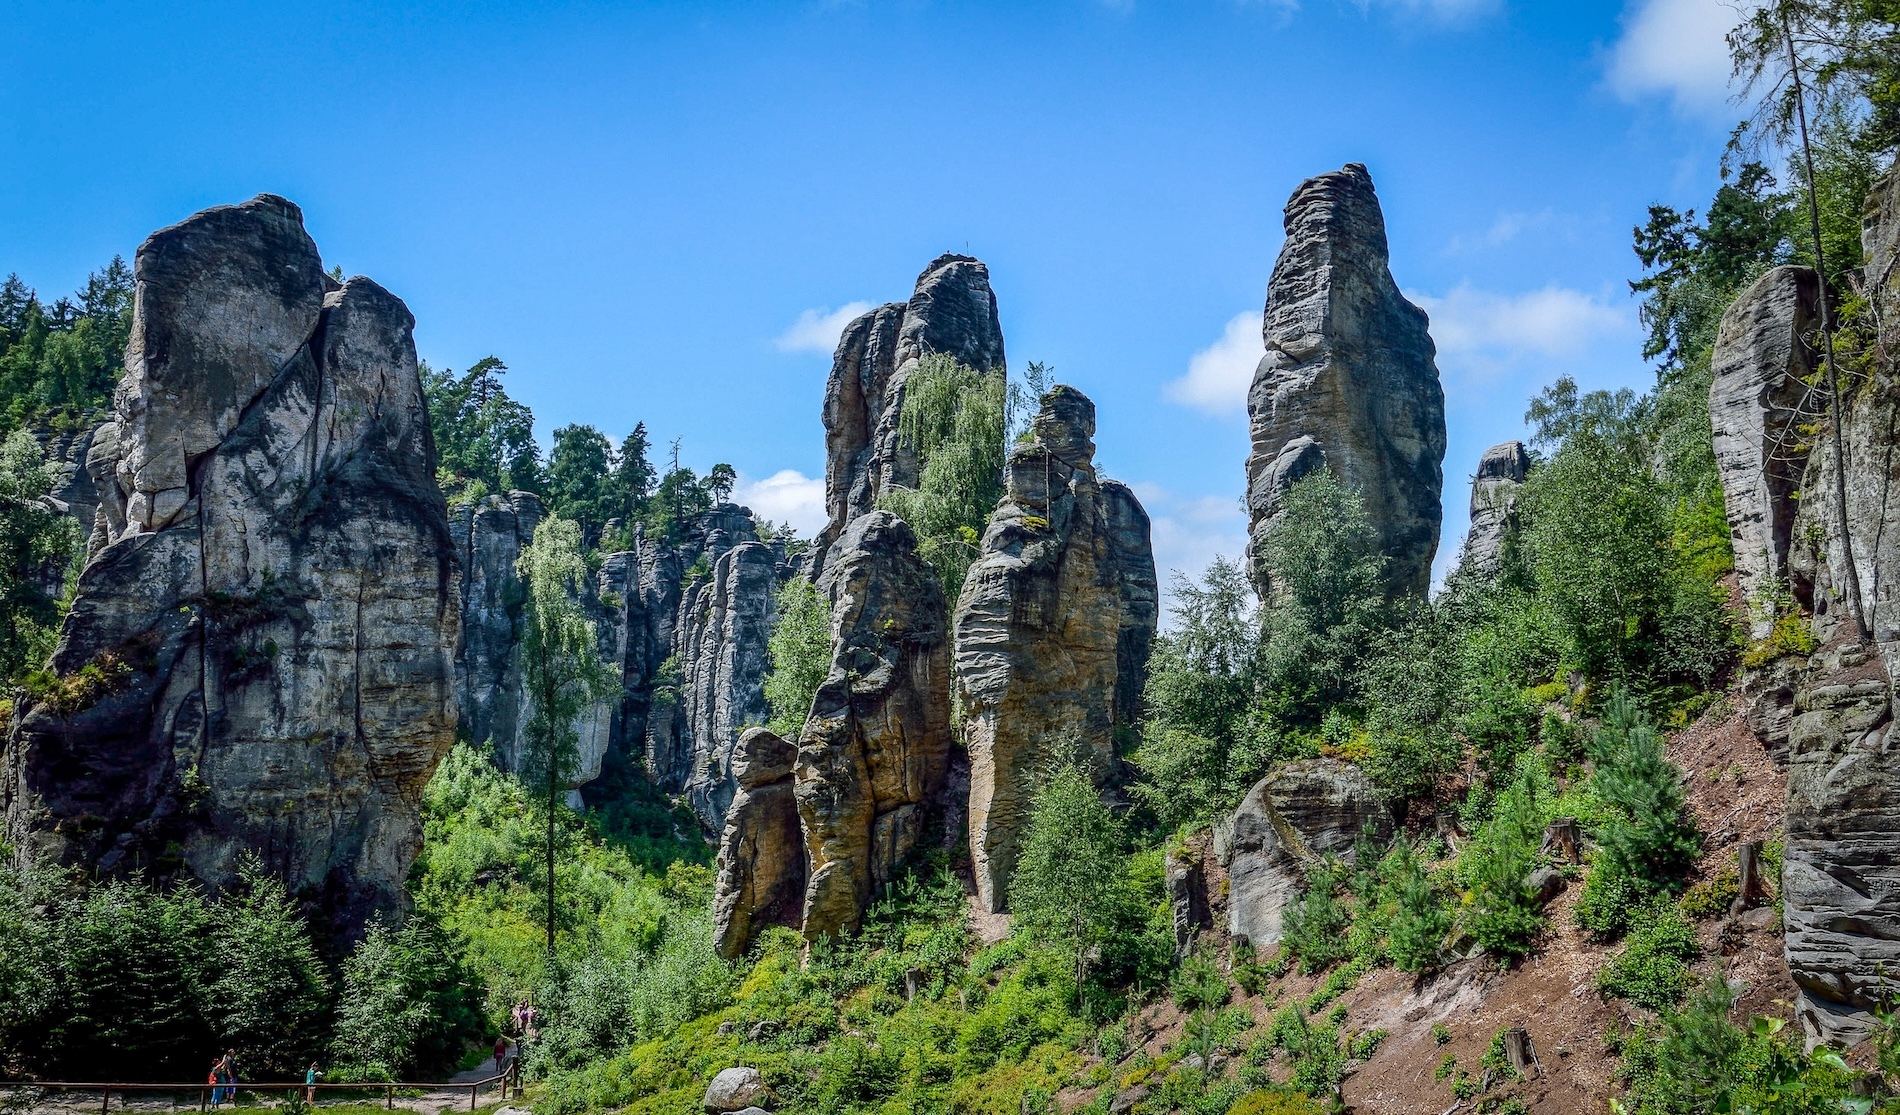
x,y
735,1089
1501,471
875,752
1756,402
1299,813
1348,379
274,607
1052,628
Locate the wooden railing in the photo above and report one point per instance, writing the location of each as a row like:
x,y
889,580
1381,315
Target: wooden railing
x,y
505,1080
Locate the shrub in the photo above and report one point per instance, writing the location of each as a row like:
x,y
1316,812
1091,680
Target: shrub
x,y
1653,968
1502,913
1713,897
1416,938
1647,840
1314,926
1199,985
800,652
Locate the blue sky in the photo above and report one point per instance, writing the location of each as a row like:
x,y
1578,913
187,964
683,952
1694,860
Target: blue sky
x,y
656,212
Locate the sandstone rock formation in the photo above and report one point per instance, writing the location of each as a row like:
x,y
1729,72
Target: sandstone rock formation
x,y
1052,628
719,647
1757,399
874,754
952,311
761,869
260,658
1348,379
1293,817
1501,471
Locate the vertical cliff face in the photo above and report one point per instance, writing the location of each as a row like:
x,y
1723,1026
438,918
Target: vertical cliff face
x,y
1501,471
1757,400
1051,629
952,311
1840,885
271,618
875,752
1348,379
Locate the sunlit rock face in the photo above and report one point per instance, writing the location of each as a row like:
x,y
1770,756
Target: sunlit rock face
x,y
1052,629
260,657
1348,380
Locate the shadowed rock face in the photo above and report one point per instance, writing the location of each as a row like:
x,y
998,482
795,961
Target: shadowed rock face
x,y
875,752
1290,820
1840,885
273,608
1756,399
1501,471
761,868
952,311
1348,379
1052,628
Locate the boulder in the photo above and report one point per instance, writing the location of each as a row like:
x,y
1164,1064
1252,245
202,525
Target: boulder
x,y
1294,817
951,311
1501,471
1052,628
760,874
735,1089
1757,400
875,751
270,621
1348,379
1187,899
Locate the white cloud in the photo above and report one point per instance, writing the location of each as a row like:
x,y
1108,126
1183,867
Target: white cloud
x,y
1188,533
1219,375
1480,326
1678,48
818,330
786,496
1504,229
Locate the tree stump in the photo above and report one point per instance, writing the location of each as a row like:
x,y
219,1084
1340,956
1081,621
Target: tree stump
x,y
913,983
1752,888
1563,840
1517,1048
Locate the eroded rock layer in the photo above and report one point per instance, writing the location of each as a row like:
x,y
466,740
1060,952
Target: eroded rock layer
x,y
260,658
1348,379
874,754
760,877
1052,628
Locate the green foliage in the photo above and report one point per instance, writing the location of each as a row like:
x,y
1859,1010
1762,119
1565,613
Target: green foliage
x,y
954,419
1712,897
800,651
1319,1063
407,1004
1409,684
1422,918
1199,985
1698,1060
1503,914
1653,968
1324,580
147,979
59,363
1648,841
481,434
1203,678
1068,889
1313,927
33,540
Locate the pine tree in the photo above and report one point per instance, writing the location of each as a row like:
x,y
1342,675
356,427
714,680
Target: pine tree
x,y
1650,836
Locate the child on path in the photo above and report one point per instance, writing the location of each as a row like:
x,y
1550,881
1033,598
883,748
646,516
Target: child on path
x,y
501,1052
217,1093
310,1083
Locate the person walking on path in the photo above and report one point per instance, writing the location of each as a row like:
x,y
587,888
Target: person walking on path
x,y
501,1053
310,1083
216,1078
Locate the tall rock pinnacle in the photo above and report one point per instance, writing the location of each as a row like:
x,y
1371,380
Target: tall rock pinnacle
x,y
1348,380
